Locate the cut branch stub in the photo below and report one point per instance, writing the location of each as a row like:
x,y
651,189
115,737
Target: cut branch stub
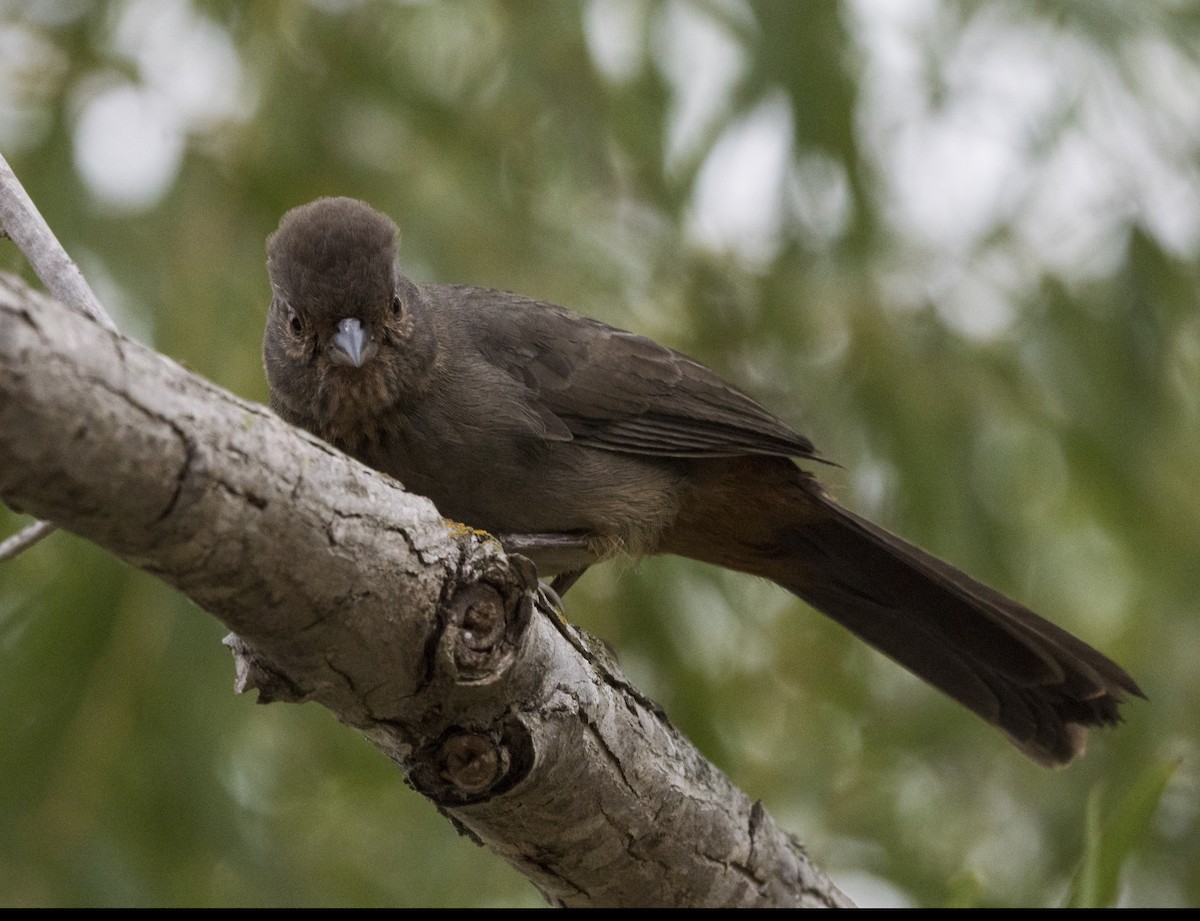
x,y
466,766
485,619
471,761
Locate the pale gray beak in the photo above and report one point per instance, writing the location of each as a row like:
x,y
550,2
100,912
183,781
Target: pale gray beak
x,y
350,344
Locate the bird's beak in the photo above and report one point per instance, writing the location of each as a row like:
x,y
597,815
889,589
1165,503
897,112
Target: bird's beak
x,y
351,345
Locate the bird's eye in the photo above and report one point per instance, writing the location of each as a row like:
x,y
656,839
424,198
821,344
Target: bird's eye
x,y
294,322
397,305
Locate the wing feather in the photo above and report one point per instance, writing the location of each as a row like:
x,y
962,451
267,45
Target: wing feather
x,y
617,391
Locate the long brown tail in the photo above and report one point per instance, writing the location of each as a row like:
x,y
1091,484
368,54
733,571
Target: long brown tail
x,y
1035,681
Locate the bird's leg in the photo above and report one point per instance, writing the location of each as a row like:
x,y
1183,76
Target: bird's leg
x,y
552,599
564,580
568,555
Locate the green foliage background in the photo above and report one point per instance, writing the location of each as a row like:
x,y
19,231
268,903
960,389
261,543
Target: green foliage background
x,y
1010,379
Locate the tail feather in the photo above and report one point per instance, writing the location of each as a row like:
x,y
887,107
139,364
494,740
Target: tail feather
x,y
1018,671
1035,681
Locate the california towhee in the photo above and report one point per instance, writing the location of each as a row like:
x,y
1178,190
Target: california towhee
x,y
577,440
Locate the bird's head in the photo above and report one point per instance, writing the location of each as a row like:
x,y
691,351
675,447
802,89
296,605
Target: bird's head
x,y
341,343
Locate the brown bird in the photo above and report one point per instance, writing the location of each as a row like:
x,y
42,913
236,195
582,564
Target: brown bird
x,y
576,440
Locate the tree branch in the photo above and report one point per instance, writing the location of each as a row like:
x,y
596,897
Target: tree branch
x,y
25,538
25,226
418,632
22,223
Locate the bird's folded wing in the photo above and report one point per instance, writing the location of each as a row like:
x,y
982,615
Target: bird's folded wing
x,y
617,391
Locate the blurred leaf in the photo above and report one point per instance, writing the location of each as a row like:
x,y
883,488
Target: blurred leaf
x,y
1108,842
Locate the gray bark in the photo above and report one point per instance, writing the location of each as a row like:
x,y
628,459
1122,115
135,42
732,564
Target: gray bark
x,y
418,632
23,223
